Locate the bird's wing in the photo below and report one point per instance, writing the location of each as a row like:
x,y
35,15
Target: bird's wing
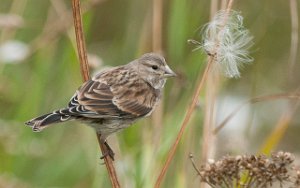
x,y
97,99
94,100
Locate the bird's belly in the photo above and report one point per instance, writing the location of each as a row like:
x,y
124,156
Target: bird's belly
x,y
109,126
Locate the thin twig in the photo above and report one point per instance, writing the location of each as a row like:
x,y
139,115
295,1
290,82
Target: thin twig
x,y
191,156
85,75
198,171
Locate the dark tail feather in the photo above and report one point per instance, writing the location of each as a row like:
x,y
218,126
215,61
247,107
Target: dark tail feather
x,y
43,121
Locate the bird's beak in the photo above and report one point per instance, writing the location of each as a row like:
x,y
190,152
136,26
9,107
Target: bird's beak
x,y
169,72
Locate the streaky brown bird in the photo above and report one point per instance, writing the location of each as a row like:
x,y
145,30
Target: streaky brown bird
x,y
114,98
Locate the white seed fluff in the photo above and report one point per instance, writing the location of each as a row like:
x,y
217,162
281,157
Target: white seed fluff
x,y
228,41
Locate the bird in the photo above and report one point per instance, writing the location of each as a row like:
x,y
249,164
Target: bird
x,y
114,98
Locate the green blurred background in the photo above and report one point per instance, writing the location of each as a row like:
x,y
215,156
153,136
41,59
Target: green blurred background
x,y
39,72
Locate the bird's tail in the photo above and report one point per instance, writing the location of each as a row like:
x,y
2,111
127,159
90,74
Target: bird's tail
x,y
41,122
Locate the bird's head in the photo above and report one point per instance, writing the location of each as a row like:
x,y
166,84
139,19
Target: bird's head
x,y
153,68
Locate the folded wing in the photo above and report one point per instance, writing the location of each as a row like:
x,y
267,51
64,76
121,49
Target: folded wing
x,y
97,99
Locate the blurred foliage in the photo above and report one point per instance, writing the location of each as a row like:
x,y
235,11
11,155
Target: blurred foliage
x,y
67,155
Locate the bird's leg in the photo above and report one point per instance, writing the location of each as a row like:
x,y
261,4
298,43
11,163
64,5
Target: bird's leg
x,y
108,152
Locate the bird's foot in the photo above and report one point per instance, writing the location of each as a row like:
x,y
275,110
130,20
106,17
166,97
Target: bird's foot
x,y
108,152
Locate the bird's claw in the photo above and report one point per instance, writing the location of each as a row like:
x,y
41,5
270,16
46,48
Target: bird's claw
x,y
109,152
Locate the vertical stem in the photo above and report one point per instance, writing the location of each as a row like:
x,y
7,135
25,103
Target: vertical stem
x,y
223,4
80,41
208,142
85,75
156,24
157,115
229,6
213,8
109,165
294,36
209,100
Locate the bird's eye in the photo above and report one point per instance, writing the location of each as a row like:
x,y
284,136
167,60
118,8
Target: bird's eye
x,y
154,67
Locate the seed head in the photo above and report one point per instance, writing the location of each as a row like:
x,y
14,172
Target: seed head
x,y
251,171
228,41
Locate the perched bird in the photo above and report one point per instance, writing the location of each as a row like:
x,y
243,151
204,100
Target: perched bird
x,y
114,98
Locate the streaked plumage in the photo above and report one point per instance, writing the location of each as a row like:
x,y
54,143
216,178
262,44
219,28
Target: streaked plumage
x,y
114,98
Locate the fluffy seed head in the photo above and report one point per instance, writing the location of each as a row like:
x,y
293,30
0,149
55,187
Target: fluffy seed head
x,y
228,41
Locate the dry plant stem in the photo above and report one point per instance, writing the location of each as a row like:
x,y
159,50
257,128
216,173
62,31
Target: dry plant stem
x,y
213,8
209,100
223,4
206,128
157,115
191,156
294,36
229,6
109,165
208,139
80,40
185,122
157,25
85,75
197,169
